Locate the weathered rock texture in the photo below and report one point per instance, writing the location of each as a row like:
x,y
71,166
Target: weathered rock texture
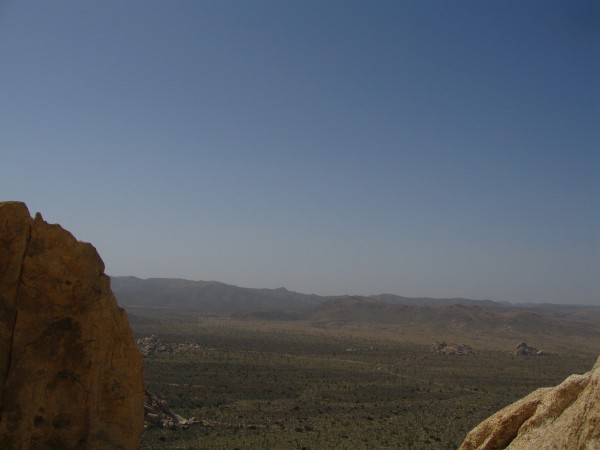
x,y
70,374
563,417
158,414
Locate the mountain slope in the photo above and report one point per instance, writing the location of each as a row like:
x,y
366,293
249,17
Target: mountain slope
x,y
455,315
209,297
450,317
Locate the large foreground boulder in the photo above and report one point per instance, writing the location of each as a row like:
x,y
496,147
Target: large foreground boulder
x,y
70,374
563,417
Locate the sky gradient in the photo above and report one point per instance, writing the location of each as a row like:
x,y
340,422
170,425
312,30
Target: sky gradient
x,y
421,148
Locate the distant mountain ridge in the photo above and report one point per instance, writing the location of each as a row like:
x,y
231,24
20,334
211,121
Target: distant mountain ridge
x,y
430,301
220,298
455,317
213,297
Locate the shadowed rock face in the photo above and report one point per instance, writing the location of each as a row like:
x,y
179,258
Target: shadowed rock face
x,y
563,417
70,374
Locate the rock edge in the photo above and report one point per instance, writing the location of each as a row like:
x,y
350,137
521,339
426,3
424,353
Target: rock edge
x,y
70,374
566,416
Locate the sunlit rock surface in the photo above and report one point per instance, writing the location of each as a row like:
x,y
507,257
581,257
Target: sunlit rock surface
x,y
70,374
563,417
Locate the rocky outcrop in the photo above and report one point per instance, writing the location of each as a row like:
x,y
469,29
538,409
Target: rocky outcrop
x,y
443,348
153,345
70,374
522,349
158,414
563,417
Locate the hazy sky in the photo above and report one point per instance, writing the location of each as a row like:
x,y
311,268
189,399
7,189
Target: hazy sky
x,y
422,148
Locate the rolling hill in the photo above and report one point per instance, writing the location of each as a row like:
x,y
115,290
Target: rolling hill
x,y
451,314
208,297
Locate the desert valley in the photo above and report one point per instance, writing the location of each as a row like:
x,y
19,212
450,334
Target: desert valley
x,y
270,368
341,224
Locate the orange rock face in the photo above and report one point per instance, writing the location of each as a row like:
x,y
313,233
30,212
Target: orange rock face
x,y
563,417
70,374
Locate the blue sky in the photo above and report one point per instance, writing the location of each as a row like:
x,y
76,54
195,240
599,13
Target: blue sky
x,y
422,148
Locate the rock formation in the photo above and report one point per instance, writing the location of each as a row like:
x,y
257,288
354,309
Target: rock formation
x,y
153,345
158,414
522,349
563,417
451,349
70,374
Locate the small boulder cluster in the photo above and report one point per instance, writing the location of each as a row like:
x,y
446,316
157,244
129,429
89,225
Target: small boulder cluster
x,y
522,349
443,348
152,345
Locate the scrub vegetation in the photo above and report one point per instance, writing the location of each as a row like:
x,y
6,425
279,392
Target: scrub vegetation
x,y
259,384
